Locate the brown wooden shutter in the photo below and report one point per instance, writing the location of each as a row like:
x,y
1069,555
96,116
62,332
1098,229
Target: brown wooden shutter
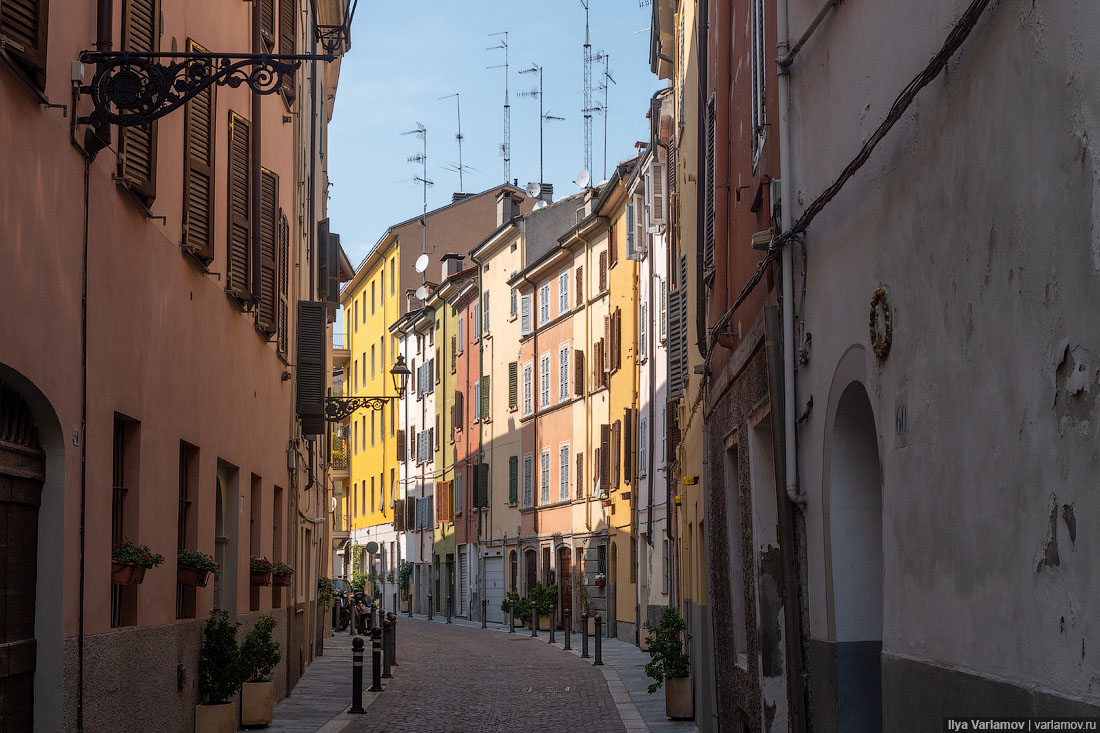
x,y
672,430
137,145
454,352
603,271
267,299
437,367
458,415
616,444
198,171
288,43
23,25
578,372
239,223
605,457
400,444
399,515
628,446
612,247
267,23
440,500
283,268
513,385
484,407
580,285
708,192
310,366
580,474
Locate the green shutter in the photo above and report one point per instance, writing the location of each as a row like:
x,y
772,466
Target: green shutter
x,y
481,486
484,397
513,386
513,479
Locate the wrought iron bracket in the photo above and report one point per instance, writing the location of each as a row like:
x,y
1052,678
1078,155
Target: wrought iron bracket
x,y
134,89
333,37
339,408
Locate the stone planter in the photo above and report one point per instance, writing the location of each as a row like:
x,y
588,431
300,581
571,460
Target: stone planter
x,y
124,573
259,578
257,703
679,704
216,718
192,576
281,580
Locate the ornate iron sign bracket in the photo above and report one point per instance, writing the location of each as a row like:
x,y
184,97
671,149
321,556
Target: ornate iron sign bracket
x,y
131,89
338,408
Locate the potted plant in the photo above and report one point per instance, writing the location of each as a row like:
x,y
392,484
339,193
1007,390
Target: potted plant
x,y
260,570
219,675
523,607
542,597
259,655
129,561
194,568
280,574
669,664
404,575
600,580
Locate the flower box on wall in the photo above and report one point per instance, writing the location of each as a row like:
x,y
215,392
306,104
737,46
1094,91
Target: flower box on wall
x,y
127,573
193,577
280,579
259,578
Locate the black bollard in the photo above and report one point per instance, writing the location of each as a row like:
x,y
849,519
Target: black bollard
x,y
566,623
393,639
484,606
387,642
599,642
448,609
584,635
376,659
553,606
512,617
429,605
395,602
357,676
534,621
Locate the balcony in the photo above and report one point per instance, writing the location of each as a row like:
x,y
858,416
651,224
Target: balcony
x,y
341,525
341,349
340,453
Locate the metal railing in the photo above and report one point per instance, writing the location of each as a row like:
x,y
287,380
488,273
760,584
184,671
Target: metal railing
x,y
339,453
341,522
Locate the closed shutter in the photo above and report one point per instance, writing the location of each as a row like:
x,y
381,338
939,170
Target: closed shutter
x,y
603,271
631,237
616,339
267,298
628,446
563,374
411,508
580,286
612,248
399,515
198,171
310,366
578,373
708,194
330,285
463,581
288,43
137,145
607,342
484,408
454,352
675,331
616,444
658,195
440,487
267,23
605,457
400,444
513,385
580,474
513,479
23,29
525,315
458,414
320,253
239,223
283,267
481,486
672,430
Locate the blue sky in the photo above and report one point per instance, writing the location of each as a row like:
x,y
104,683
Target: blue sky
x,y
405,56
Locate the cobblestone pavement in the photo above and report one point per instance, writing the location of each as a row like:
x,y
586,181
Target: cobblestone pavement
x,y
456,678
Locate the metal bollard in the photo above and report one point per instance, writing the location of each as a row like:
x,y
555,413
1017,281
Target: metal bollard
x,y
553,606
357,676
376,659
393,639
599,642
410,605
387,641
484,606
395,602
567,622
534,621
352,624
584,635
448,609
429,605
512,617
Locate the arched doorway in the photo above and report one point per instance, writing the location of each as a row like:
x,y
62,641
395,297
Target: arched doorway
x,y
531,559
611,627
22,475
565,583
855,529
513,571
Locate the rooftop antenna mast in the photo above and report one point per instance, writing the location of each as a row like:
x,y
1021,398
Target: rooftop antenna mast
x,y
587,108
607,82
543,116
459,168
506,146
422,158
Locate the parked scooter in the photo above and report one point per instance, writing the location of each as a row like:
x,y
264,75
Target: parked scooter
x,y
343,611
362,610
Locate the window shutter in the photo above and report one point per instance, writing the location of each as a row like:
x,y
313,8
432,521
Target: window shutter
x,y
513,384
675,328
454,352
198,172
563,374
485,311
513,479
23,28
437,363
439,485
672,430
330,285
616,445
321,255
267,22
628,446
708,193
612,248
459,414
137,145
399,515
310,367
580,285
524,315
630,233
639,224
580,474
607,343
616,339
578,373
603,271
481,486
288,43
658,196
484,409
239,223
605,457
400,444
267,300
283,269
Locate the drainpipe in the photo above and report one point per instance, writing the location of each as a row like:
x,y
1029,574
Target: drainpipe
x,y
703,29
721,184
480,429
536,457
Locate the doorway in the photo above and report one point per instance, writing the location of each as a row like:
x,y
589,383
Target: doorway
x,y
565,583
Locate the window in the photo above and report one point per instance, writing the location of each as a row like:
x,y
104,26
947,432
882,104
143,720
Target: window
x,y
528,407
382,289
392,421
356,316
355,439
664,433
527,478
477,400
666,587
563,472
662,305
628,224
372,494
186,533
580,475
483,402
642,332
643,446
23,32
580,285
603,271
372,428
544,484
458,492
563,373
239,193
355,376
544,304
485,311
372,297
563,293
525,315
137,145
475,319
544,381
198,169
513,387
393,486
513,479
513,303
393,277
459,341
363,366
363,497
267,299
355,500
759,115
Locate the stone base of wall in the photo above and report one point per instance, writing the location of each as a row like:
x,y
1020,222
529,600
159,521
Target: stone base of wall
x,y
625,631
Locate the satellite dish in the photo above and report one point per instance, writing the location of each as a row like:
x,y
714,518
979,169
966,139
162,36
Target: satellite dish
x,y
372,547
533,189
583,179
422,292
541,205
421,263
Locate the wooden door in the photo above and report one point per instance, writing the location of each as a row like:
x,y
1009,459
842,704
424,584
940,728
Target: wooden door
x,y
565,583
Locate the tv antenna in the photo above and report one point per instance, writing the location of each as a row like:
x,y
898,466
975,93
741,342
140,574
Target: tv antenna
x,y
543,116
450,166
422,158
506,146
587,109
607,82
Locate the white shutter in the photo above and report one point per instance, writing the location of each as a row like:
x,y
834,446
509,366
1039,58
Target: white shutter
x,y
657,215
563,473
544,380
528,389
525,315
527,478
544,304
662,305
643,331
563,293
631,247
544,484
477,400
643,445
563,374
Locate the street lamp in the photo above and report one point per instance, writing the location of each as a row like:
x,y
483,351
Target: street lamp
x,y
400,374
339,408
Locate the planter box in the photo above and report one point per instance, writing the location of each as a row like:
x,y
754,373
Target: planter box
x,y
259,579
124,573
257,703
679,704
216,718
191,576
599,583
280,580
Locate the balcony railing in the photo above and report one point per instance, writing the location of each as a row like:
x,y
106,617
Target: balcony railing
x,y
340,522
339,342
339,453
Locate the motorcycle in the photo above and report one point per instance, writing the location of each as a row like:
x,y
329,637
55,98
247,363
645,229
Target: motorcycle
x,y
343,613
362,610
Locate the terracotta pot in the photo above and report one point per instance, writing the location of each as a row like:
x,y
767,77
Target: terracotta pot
x,y
679,704
216,718
601,583
259,578
257,703
192,576
125,573
283,580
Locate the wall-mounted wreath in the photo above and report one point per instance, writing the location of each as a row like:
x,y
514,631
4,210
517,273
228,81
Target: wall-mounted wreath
x,y
880,342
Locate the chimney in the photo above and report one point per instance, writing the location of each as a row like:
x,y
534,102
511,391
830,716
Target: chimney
x,y
452,263
507,206
547,193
